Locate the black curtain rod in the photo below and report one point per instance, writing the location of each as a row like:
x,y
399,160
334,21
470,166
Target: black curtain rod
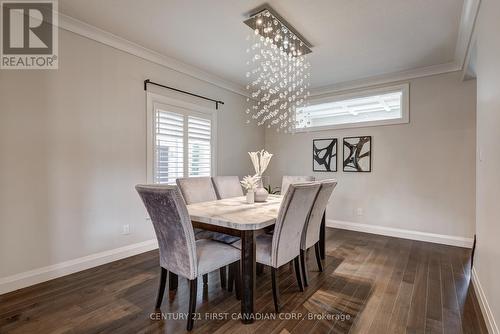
x,y
147,81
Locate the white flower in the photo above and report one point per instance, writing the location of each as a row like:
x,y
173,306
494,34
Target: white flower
x,y
254,156
260,161
265,158
250,182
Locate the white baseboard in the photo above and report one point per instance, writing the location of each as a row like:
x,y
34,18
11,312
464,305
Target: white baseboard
x,y
483,303
401,233
28,278
39,275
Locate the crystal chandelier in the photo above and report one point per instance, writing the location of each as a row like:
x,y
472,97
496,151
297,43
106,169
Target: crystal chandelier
x,y
278,71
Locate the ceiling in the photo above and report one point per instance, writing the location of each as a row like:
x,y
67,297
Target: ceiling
x,y
352,39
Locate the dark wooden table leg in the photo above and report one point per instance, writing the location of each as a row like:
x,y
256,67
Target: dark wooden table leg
x,y
247,276
322,236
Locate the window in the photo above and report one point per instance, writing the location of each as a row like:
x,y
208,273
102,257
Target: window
x,y
383,106
199,142
181,140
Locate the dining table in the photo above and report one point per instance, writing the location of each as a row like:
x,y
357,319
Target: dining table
x,y
234,216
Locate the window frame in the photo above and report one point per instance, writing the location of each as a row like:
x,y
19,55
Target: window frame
x,y
405,107
186,109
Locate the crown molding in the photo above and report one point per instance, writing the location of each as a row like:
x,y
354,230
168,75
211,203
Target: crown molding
x,y
468,69
468,18
462,56
86,30
387,78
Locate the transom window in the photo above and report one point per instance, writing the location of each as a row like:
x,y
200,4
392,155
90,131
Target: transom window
x,y
384,106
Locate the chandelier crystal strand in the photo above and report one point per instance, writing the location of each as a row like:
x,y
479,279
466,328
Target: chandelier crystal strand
x,y
278,74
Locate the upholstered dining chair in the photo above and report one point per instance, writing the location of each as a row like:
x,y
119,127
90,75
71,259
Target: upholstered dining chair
x,y
311,232
287,180
284,245
227,186
180,253
201,189
196,189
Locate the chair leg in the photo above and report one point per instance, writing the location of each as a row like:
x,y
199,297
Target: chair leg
x,y
193,291
298,273
161,289
205,279
222,272
237,279
304,267
276,292
318,256
173,283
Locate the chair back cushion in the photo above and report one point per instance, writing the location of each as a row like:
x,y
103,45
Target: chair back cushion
x,y
173,228
290,224
227,186
288,180
314,224
197,189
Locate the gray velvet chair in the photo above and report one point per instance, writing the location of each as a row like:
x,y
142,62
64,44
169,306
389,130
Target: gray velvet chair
x,y
227,186
311,233
284,245
180,253
288,180
197,189
201,189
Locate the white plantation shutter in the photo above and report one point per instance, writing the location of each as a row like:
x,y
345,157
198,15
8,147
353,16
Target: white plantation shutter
x,y
169,147
199,147
182,143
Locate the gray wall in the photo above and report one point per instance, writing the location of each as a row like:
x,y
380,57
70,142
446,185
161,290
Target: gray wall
x,y
73,145
423,172
488,166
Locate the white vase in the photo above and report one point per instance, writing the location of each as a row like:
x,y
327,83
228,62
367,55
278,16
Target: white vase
x,y
250,196
261,194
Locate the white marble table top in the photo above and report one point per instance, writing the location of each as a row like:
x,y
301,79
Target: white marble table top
x,y
235,213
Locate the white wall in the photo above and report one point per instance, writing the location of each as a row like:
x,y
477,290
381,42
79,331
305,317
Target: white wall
x,y
73,145
487,256
423,172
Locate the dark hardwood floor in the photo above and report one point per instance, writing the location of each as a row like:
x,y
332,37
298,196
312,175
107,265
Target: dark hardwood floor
x,y
371,284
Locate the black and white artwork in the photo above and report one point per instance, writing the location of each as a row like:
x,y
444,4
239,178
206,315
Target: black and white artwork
x,y
358,154
325,155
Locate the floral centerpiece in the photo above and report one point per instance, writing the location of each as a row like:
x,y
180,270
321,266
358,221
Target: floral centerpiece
x,y
260,161
250,184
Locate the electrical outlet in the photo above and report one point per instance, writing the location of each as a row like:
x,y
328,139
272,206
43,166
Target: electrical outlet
x,y
359,211
126,229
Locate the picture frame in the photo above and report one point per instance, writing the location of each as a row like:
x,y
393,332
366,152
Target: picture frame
x,y
357,154
325,155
